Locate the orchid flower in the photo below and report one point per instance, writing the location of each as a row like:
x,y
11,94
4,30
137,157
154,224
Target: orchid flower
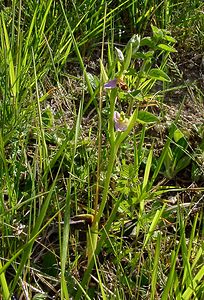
x,y
117,82
111,84
121,122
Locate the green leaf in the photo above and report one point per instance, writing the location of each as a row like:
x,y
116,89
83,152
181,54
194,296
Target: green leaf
x,y
178,135
144,55
147,41
128,57
159,75
157,33
169,38
182,163
166,48
146,117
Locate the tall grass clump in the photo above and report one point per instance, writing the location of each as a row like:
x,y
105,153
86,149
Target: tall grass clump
x,y
101,188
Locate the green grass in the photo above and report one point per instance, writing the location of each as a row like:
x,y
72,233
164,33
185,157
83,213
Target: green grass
x,y
87,212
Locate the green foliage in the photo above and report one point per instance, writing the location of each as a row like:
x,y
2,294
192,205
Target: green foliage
x,y
177,157
63,164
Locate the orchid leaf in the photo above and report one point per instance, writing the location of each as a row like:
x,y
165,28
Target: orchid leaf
x,y
146,117
159,75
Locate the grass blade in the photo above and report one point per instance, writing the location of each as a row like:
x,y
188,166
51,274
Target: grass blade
x,y
4,286
155,267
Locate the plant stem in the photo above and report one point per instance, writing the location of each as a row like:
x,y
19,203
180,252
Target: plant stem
x,y
93,237
114,146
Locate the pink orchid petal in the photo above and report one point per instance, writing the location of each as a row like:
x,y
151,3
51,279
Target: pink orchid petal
x,y
120,125
111,84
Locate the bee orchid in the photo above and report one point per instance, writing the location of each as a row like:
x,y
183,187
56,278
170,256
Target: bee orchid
x,y
117,82
121,122
111,84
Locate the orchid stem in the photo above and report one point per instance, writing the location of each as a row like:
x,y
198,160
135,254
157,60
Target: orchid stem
x,y
93,237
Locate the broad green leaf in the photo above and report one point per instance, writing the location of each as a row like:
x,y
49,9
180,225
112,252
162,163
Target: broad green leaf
x,y
144,55
182,163
147,41
169,38
146,117
159,75
166,48
178,135
157,33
